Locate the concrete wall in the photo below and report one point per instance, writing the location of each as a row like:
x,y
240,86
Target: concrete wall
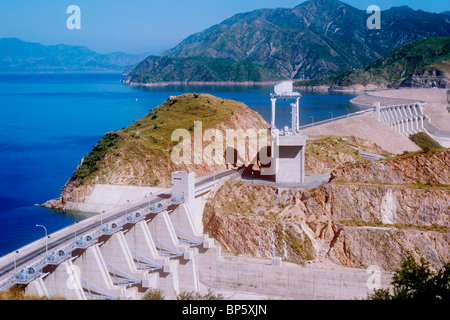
x,y
106,197
289,280
436,131
291,164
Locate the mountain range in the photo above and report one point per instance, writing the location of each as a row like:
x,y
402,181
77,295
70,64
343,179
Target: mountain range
x,y
20,56
313,39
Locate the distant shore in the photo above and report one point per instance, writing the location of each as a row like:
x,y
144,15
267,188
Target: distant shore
x,y
353,89
201,83
359,88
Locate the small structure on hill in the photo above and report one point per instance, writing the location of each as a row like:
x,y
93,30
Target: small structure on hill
x,y
288,145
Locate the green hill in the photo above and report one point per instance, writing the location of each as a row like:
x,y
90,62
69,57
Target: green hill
x,y
141,154
203,69
420,58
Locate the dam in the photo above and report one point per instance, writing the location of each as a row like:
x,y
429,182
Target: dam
x,y
157,244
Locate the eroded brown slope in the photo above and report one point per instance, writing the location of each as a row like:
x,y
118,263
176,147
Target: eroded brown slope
x,y
355,223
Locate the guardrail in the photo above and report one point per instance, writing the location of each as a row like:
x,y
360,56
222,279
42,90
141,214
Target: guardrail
x,y
318,123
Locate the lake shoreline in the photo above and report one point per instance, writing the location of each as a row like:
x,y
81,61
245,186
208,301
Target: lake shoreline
x,y
200,83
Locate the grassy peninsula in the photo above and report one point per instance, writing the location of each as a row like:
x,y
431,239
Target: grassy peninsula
x,y
140,154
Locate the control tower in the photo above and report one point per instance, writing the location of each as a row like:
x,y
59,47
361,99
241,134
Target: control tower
x,y
288,144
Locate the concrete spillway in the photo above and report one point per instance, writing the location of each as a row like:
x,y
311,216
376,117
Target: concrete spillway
x,y
164,250
159,251
405,119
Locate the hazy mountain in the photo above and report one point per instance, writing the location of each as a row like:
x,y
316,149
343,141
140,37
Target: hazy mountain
x,y
420,63
203,69
20,56
316,38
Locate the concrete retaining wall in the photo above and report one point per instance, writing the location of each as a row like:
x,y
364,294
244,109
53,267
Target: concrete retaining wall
x,y
291,281
436,131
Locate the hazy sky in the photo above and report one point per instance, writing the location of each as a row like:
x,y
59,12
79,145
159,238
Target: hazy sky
x,y
139,26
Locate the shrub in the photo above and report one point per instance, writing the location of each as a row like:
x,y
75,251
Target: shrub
x,y
417,282
154,294
193,295
91,160
424,141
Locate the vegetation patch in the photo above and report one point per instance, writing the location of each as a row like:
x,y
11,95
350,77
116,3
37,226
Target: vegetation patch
x,y
203,69
140,154
425,142
356,223
18,293
92,159
417,282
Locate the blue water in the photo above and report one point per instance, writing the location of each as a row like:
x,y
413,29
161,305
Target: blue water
x,y
48,122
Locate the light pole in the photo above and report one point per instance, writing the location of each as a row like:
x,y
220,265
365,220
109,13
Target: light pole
x,y
15,265
75,228
46,245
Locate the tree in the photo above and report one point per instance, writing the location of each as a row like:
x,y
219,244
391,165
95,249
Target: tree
x,y
417,282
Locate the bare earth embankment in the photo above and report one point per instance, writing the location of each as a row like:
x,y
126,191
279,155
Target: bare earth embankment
x,y
366,127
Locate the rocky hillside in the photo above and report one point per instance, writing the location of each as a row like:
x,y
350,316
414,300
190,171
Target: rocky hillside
x,y
140,154
313,39
324,153
354,221
421,63
421,168
436,76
